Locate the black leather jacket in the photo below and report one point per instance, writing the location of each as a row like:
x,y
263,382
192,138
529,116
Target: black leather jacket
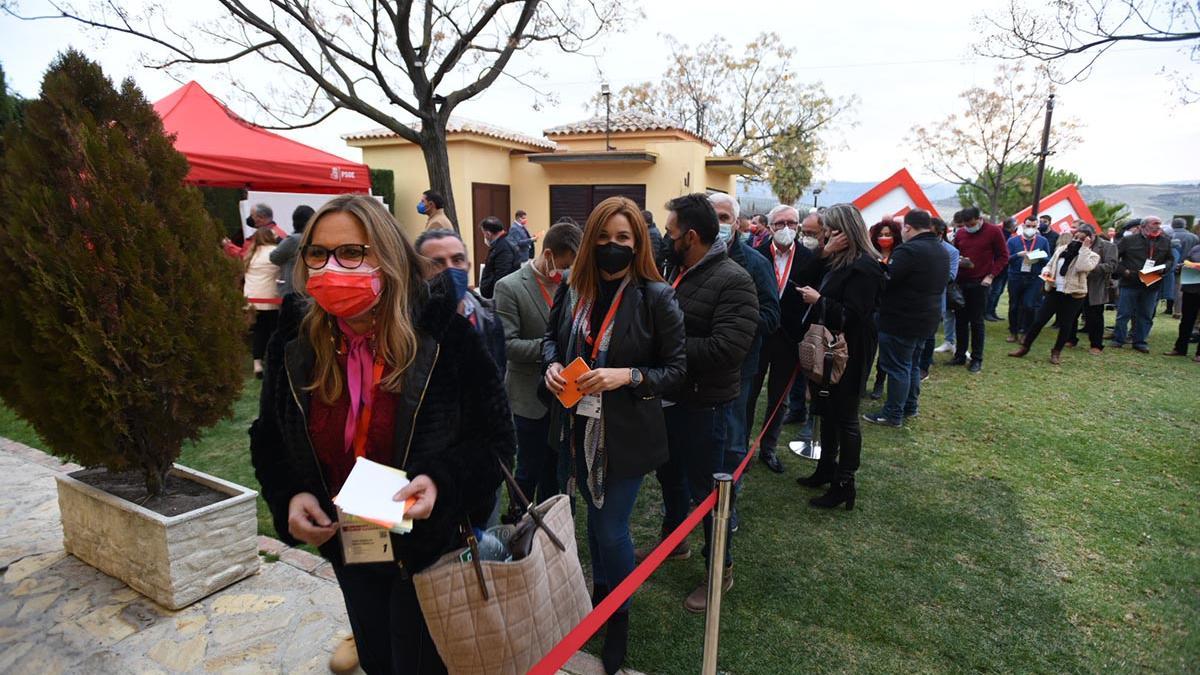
x,y
452,423
647,335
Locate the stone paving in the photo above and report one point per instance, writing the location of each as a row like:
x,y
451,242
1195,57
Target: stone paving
x,y
58,615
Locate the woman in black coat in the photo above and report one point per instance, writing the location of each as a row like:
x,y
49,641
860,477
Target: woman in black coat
x,y
852,280
382,367
622,320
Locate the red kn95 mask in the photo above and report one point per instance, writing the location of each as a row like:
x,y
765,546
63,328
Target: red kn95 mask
x,y
345,293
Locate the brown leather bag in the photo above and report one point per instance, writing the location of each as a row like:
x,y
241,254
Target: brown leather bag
x,y
823,354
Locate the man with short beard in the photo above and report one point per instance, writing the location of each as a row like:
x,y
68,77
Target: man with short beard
x,y
1146,245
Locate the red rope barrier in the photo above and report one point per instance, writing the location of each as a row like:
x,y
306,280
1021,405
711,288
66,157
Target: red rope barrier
x,y
579,635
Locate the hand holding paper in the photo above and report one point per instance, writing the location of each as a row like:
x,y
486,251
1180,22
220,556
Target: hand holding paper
x,y
368,494
420,496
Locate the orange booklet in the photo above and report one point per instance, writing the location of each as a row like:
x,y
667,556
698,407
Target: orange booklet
x,y
570,394
1150,279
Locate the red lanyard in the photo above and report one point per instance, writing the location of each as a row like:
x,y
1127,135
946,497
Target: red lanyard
x,y
1032,243
545,294
364,418
608,319
675,284
782,280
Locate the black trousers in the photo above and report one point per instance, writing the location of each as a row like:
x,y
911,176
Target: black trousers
x,y
779,357
265,322
1093,325
389,629
1066,307
969,321
841,441
1190,307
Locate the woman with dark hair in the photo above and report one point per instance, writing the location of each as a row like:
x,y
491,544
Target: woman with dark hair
x,y
883,238
845,301
382,367
618,315
261,288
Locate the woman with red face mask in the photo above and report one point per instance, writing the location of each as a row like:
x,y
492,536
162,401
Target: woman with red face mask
x,y
381,367
883,237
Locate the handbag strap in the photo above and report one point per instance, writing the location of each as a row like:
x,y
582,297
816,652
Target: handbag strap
x,y
528,506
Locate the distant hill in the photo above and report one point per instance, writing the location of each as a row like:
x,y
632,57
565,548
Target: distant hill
x,y
1163,200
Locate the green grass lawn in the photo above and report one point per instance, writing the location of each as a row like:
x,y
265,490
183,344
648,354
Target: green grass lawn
x,y
1034,518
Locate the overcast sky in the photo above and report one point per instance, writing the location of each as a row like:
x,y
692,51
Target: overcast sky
x,y
906,62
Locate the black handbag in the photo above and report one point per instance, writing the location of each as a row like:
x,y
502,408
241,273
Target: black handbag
x,y
955,300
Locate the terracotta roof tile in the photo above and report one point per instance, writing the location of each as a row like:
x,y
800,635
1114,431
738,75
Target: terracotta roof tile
x,y
623,121
461,125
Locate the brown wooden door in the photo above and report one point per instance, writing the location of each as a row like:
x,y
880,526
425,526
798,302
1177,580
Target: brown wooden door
x,y
577,201
487,199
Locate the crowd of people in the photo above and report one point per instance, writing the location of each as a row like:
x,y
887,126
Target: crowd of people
x,y
380,348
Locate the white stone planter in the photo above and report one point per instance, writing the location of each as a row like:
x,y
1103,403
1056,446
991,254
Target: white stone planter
x,y
174,560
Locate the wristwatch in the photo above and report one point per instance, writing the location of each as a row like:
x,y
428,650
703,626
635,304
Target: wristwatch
x,y
635,378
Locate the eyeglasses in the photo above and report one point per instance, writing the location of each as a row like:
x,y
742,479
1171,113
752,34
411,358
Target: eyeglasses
x,y
784,223
350,256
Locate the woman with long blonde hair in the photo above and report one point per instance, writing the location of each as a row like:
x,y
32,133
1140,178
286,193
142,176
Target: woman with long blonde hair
x,y
845,301
382,367
621,319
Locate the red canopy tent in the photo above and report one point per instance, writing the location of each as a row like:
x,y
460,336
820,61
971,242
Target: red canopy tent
x,y
226,151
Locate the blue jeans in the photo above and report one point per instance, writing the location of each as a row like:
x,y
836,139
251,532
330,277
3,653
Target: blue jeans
x,y
537,462
1024,290
696,440
998,284
609,541
1135,303
737,441
949,324
900,358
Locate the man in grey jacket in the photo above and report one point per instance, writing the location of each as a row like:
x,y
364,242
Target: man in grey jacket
x,y
523,302
284,255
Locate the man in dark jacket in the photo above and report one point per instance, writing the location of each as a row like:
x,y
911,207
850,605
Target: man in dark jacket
x,y
656,240
1145,248
445,249
908,313
984,255
768,322
284,255
502,257
720,319
788,251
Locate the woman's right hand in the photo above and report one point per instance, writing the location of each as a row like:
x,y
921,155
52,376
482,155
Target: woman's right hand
x,y
307,522
554,381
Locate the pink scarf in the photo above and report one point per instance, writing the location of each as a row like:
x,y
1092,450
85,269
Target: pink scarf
x,y
360,363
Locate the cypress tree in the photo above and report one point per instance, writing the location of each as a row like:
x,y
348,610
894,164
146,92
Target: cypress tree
x,y
119,315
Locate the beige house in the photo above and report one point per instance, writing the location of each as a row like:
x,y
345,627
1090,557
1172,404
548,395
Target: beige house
x,y
496,171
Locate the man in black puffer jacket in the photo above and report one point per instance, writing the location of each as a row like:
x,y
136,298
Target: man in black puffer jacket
x,y
720,318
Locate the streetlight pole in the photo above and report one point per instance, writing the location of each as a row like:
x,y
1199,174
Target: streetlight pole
x,y
1041,155
816,191
607,94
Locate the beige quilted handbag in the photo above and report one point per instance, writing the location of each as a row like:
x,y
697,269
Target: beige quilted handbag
x,y
503,617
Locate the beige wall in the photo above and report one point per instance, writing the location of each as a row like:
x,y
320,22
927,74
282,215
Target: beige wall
x,y
679,169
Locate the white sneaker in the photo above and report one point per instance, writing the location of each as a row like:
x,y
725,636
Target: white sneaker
x,y
944,347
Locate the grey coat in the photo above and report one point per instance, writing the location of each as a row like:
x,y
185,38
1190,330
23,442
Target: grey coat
x,y
284,255
523,312
1098,279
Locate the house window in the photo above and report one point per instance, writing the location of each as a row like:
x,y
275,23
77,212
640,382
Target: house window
x,y
577,201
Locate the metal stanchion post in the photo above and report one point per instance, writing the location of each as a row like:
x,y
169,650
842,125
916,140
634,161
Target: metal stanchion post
x,y
716,571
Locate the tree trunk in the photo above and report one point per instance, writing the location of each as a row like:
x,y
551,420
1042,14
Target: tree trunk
x,y
437,164
994,196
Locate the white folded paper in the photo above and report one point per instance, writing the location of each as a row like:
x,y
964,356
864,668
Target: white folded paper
x,y
367,494
1035,255
1150,267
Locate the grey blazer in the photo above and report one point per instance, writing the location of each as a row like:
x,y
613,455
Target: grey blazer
x,y
523,312
1099,277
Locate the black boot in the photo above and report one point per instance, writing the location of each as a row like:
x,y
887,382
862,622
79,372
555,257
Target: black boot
x,y
616,642
768,457
599,593
822,476
840,492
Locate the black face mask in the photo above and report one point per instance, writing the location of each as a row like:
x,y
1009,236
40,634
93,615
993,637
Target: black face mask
x,y
613,257
674,255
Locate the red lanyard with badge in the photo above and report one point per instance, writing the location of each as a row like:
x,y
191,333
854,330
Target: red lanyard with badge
x,y
782,279
590,404
545,293
363,542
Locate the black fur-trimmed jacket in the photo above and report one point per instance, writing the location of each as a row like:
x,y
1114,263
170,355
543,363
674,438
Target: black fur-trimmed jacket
x,y
452,424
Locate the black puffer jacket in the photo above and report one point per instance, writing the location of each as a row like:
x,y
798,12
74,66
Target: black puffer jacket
x,y
720,316
452,423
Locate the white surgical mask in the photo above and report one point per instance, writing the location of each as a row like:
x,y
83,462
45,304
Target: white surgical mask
x,y
1129,233
1030,232
975,229
809,242
784,237
724,231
